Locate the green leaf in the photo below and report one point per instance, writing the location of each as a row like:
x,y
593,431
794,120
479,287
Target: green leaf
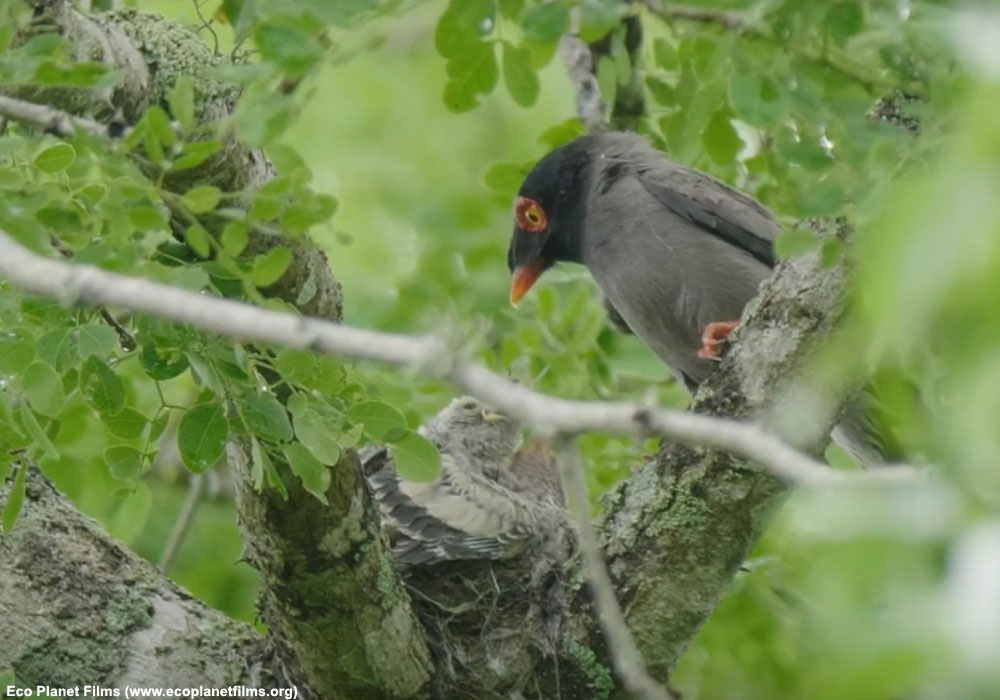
x,y
314,474
831,252
546,22
318,435
162,365
266,417
352,437
159,128
720,138
265,206
288,45
416,457
269,267
15,498
34,430
195,153
96,339
55,158
125,462
261,457
843,20
379,418
461,26
234,237
296,366
519,75
44,388
822,199
101,387
181,98
16,352
795,241
147,218
562,133
201,436
127,423
197,239
472,74
201,199
158,425
662,91
598,17
665,54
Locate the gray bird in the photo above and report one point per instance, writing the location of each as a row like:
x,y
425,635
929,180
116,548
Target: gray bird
x,y
481,506
676,252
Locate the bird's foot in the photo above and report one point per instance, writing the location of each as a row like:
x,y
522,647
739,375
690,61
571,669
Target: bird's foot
x,y
713,336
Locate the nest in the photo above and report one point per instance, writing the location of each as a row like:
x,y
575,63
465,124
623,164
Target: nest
x,y
494,627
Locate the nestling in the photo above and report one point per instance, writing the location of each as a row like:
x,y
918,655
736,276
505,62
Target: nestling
x,y
479,507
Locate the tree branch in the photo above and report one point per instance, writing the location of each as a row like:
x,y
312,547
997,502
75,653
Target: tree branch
x,y
49,119
624,653
79,608
86,284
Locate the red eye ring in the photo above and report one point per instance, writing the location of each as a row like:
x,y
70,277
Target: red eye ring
x,y
529,215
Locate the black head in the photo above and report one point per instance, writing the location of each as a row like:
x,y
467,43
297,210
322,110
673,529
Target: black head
x,y
549,214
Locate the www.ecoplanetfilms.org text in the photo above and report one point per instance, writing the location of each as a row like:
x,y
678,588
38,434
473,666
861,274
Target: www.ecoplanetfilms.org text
x,y
132,691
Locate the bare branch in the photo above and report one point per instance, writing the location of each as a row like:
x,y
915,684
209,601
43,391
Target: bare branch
x,y
627,659
183,523
48,119
579,64
731,19
428,354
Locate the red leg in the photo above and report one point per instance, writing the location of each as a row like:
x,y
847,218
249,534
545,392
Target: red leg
x,y
713,336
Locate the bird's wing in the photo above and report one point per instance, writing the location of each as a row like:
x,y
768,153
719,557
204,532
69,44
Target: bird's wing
x,y
715,207
461,515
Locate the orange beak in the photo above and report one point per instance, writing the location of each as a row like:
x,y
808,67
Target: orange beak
x,y
524,277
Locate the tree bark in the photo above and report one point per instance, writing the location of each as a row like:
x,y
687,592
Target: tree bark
x,y
78,608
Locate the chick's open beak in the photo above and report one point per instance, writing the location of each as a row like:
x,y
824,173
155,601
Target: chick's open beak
x,y
492,416
523,278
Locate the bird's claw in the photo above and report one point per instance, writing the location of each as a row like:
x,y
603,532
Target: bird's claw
x,y
713,336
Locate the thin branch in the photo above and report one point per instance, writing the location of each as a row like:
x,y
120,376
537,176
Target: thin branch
x,y
731,19
432,355
580,67
625,654
48,119
183,523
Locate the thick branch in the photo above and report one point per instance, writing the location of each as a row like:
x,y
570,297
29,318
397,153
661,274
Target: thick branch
x,y
79,608
330,594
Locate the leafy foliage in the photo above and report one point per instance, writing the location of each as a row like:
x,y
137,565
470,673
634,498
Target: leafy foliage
x,y
364,108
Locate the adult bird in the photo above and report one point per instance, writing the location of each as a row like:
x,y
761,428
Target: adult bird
x,y
676,252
